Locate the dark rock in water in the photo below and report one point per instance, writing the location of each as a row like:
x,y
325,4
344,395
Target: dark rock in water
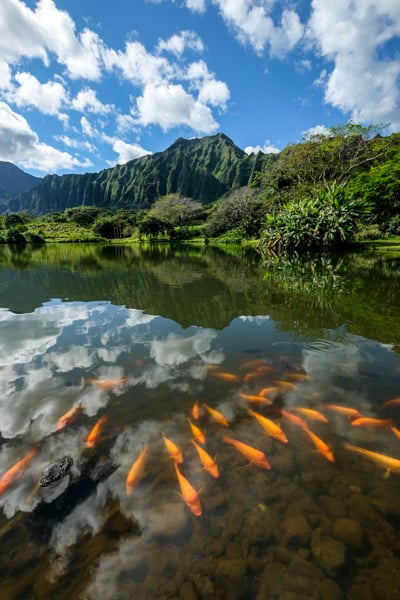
x,y
296,530
350,533
330,554
329,590
55,471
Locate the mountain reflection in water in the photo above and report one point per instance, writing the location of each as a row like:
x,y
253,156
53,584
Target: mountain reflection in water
x,y
257,349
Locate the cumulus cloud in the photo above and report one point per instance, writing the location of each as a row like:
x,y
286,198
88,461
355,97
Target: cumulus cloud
x,y
21,145
362,82
178,43
128,152
87,101
268,148
46,97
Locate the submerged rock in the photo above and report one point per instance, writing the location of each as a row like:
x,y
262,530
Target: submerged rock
x,y
330,554
350,533
56,471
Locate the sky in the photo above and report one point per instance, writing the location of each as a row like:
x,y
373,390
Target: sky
x,y
86,85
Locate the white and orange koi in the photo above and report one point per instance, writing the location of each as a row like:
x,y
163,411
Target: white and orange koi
x,y
310,413
270,427
173,449
16,471
197,433
107,384
253,455
188,493
69,417
388,463
136,472
94,436
206,460
217,416
320,445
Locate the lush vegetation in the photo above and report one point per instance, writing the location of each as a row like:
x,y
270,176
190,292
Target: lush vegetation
x,y
330,189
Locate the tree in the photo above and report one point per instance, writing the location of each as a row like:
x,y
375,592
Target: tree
x,y
242,210
176,211
323,158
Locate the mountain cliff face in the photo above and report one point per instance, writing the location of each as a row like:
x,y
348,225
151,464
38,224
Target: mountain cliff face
x,y
203,169
13,181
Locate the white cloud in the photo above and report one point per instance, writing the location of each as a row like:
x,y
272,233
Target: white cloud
x,y
178,43
87,101
268,148
211,91
21,145
253,25
128,152
352,35
139,66
169,105
46,97
316,130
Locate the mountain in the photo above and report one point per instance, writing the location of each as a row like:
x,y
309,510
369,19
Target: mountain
x,y
202,169
14,181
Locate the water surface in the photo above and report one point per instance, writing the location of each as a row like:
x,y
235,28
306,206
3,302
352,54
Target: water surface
x,y
138,335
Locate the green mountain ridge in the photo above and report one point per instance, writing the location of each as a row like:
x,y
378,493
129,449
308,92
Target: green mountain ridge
x,y
203,169
14,181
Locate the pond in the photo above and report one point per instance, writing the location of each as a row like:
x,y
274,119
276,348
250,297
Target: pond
x,y
189,423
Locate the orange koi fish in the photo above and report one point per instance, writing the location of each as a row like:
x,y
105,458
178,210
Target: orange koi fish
x,y
105,384
70,416
259,373
197,433
270,391
256,457
310,413
206,460
94,436
254,364
347,411
16,471
270,427
285,385
260,400
188,493
393,402
299,376
382,460
196,411
294,419
173,449
229,377
396,431
217,416
372,423
321,446
137,470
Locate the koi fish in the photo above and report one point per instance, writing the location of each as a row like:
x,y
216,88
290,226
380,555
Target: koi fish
x,y
173,449
372,423
396,431
105,384
294,419
260,400
321,446
217,416
16,471
299,376
254,456
259,373
310,413
285,385
70,416
206,460
347,411
229,377
94,436
254,364
270,427
393,402
382,460
137,470
197,433
188,493
196,411
270,391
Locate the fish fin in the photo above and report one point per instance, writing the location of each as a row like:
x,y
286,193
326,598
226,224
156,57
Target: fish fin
x,y
386,474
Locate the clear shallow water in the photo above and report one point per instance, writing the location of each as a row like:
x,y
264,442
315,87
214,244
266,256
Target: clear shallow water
x,y
139,336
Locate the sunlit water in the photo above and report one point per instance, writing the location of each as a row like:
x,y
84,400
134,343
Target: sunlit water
x,y
138,337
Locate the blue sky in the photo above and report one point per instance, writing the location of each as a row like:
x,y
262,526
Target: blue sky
x,y
87,85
